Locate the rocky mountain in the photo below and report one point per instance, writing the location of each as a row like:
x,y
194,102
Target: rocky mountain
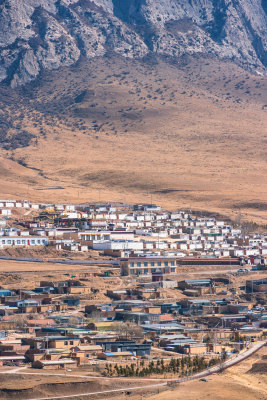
x,y
39,35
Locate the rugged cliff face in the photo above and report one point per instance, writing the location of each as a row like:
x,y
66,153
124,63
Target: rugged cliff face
x,y
49,34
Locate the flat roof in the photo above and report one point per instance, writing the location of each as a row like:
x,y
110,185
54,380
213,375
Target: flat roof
x,y
119,353
12,358
56,338
234,316
56,362
163,327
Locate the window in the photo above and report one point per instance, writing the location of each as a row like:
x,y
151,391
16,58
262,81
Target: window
x,y
138,264
18,241
152,263
172,263
71,342
3,241
9,242
172,269
32,241
23,241
166,263
131,264
153,270
65,342
132,271
38,241
145,264
145,271
159,264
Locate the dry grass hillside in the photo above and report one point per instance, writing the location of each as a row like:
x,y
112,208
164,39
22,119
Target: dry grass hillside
x,y
189,135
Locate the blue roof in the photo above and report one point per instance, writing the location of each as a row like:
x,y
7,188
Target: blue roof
x,y
113,354
5,292
249,328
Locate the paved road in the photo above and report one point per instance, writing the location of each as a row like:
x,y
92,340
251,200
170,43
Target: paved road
x,y
56,261
226,364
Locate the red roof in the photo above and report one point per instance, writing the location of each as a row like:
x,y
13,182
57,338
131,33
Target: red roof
x,y
8,317
166,317
41,322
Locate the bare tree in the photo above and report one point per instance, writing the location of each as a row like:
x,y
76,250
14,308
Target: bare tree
x,y
246,227
33,316
74,320
238,220
128,330
20,320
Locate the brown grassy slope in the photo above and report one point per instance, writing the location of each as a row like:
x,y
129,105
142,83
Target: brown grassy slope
x,y
186,135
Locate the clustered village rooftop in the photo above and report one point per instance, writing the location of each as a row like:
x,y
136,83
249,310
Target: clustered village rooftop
x,y
142,238
61,323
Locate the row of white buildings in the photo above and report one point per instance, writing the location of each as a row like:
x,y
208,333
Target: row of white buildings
x,y
124,230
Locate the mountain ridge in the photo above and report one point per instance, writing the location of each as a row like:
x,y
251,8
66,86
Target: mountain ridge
x,y
49,34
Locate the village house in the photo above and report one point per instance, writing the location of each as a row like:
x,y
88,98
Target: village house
x,y
146,266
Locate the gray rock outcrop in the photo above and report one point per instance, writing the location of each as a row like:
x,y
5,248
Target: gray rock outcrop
x,y
49,34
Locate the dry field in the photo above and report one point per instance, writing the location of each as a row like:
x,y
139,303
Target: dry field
x,y
190,135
